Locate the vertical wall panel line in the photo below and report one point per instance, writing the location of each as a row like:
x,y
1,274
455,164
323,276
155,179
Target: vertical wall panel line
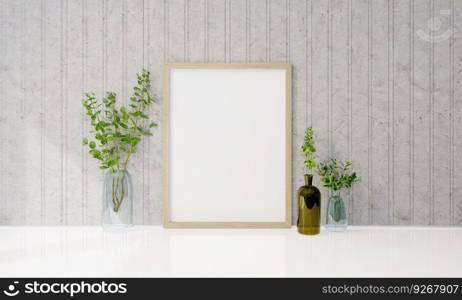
x,y
287,15
64,96
147,65
350,102
230,32
42,113
103,41
206,31
329,77
247,30
23,80
451,114
391,111
143,23
8,50
432,122
84,88
225,29
268,31
3,26
61,94
369,110
186,31
165,24
144,143
124,52
104,48
4,182
165,38
311,62
307,77
308,63
412,110
23,54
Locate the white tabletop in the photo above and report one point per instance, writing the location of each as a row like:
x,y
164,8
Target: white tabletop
x,y
153,251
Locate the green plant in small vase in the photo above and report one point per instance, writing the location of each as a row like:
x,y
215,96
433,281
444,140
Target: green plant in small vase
x,y
336,176
116,132
308,196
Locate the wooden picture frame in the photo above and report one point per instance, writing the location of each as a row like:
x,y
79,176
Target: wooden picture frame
x,y
182,70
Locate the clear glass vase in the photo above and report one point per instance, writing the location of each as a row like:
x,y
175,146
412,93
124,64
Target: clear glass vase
x,y
117,200
336,216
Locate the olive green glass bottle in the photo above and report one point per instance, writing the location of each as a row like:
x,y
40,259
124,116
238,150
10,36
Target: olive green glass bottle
x,y
309,207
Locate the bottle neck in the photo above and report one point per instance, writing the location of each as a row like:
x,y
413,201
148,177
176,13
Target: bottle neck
x,y
308,179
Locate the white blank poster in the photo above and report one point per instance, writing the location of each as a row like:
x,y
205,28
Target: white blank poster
x,y
227,145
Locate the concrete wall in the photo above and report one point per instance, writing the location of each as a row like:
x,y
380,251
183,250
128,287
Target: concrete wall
x,y
380,81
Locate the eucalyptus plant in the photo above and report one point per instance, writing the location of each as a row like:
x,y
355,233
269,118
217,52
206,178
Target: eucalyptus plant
x,y
336,175
116,132
309,149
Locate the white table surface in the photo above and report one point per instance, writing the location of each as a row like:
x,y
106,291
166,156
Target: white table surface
x,y
153,251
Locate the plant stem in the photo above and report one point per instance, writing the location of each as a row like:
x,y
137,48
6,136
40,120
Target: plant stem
x,y
113,193
117,201
126,161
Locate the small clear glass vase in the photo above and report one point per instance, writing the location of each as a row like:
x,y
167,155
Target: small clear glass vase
x,y
117,200
336,216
